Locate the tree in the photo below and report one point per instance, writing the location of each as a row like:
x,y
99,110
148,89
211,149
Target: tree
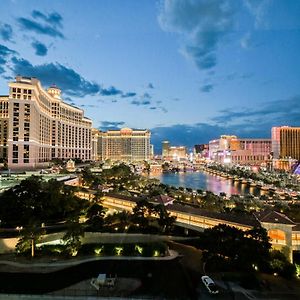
x,y
72,237
87,176
95,215
165,220
37,201
165,167
241,248
143,213
121,219
279,264
200,191
29,237
22,203
147,167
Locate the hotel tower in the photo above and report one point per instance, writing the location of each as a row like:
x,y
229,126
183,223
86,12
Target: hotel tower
x,y
36,126
286,142
126,144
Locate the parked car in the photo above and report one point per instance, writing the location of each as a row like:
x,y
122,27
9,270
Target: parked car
x,y
210,284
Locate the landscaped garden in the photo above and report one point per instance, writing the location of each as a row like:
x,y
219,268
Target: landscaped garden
x,y
151,249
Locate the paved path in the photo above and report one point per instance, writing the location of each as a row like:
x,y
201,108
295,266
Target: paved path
x,y
172,255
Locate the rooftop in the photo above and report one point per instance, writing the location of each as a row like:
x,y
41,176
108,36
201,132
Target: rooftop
x,y
271,216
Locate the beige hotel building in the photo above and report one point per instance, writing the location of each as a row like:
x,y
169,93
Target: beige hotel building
x,y
285,147
36,126
126,144
286,142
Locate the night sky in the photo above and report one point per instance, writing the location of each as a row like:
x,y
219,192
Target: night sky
x,y
188,70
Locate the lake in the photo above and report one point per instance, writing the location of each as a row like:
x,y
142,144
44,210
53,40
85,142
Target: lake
x,y
206,182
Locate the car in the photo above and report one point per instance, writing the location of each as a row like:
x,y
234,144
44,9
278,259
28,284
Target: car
x,y
209,284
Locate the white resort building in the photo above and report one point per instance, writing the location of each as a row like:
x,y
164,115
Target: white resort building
x,y
36,126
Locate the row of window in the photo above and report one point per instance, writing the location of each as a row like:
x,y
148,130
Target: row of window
x,y
19,90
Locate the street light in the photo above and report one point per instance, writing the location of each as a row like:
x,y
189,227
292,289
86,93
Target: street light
x,y
19,228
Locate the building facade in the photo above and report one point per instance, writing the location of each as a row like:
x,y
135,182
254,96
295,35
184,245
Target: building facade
x,y
37,126
165,148
173,152
233,150
286,142
95,137
126,144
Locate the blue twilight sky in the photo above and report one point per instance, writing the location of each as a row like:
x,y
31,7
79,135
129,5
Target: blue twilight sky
x,y
189,70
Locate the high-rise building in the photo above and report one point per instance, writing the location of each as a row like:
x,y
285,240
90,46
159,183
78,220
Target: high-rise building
x,y
177,152
126,144
165,148
220,148
37,126
286,142
173,152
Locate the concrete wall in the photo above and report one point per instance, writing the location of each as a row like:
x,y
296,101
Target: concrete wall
x,y
8,245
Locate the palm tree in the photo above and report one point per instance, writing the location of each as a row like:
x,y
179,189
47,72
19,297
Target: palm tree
x,y
29,237
72,237
165,220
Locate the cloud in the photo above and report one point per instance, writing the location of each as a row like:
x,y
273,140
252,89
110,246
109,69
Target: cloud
x,y
87,105
202,25
6,32
244,123
235,76
7,77
111,91
246,41
150,86
207,88
5,53
128,95
201,133
68,99
36,27
140,102
163,109
65,78
53,18
183,134
40,48
109,125
209,84
147,96
258,9
273,112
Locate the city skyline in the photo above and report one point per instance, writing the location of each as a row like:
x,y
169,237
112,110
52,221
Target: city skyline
x,y
187,70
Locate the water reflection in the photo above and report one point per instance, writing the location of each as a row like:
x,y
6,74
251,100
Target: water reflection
x,y
207,182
